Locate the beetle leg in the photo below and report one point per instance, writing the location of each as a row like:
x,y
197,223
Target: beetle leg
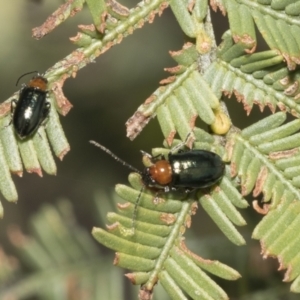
x,y
181,145
13,105
46,112
146,154
167,189
45,115
188,191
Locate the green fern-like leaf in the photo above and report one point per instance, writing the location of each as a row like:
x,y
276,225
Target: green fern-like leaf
x,y
165,261
155,248
63,260
264,158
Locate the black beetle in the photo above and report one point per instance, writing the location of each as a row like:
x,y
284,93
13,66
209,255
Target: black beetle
x,y
186,170
32,107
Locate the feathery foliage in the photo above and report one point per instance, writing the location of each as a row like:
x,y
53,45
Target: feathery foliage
x,y
263,158
62,258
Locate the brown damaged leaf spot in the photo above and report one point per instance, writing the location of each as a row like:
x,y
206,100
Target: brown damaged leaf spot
x,y
191,5
76,38
192,122
285,81
113,226
63,103
292,89
181,51
227,93
189,143
283,154
294,113
18,172
247,108
233,169
130,30
244,190
151,17
74,11
182,249
119,39
297,97
242,99
194,208
168,80
287,274
204,46
229,149
116,259
246,40
192,255
260,105
281,264
59,16
145,294
261,178
131,277
5,108
88,29
168,219
117,8
182,229
174,70
215,5
135,124
296,59
162,7
187,223
290,64
35,170
150,99
101,28
140,24
170,137
105,48
264,252
261,210
281,106
62,154
252,50
123,206
272,107
72,61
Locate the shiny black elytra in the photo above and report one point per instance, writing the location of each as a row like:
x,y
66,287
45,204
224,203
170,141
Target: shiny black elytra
x,y
186,170
32,107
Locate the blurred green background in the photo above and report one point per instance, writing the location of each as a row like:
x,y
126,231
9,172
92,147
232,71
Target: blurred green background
x,y
105,94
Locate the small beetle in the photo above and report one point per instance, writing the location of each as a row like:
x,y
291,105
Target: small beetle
x,y
186,170
32,108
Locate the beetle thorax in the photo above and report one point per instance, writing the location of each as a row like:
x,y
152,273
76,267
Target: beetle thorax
x,y
161,172
38,82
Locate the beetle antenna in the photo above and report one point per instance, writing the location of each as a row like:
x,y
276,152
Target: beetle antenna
x,y
124,163
137,202
25,75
